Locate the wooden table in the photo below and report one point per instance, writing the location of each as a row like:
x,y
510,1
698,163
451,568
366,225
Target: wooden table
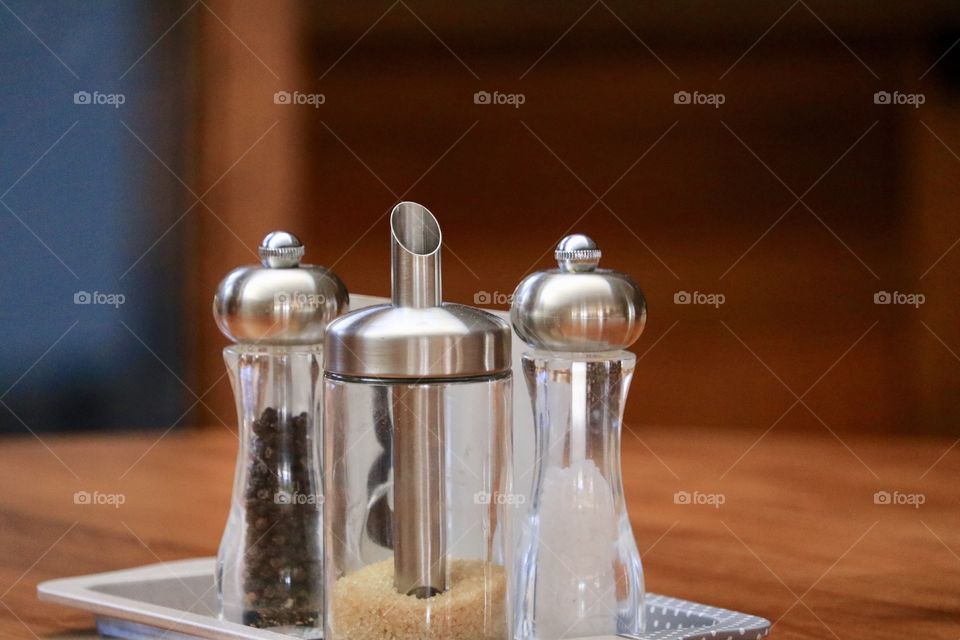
x,y
798,537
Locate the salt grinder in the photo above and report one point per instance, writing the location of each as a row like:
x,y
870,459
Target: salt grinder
x,y
270,566
417,416
579,572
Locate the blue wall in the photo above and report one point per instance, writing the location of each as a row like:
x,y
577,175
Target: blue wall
x,y
88,211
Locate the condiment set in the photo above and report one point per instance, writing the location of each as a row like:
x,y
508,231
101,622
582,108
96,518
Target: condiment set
x,y
373,494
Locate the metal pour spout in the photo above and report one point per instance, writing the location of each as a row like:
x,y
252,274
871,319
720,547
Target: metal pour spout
x,y
415,252
419,524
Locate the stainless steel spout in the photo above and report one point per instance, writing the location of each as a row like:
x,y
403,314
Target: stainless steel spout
x,y
415,251
419,551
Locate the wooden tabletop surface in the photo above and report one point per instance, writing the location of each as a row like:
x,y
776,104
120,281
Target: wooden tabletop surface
x,y
787,528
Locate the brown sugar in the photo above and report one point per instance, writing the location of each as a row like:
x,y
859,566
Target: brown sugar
x,y
365,605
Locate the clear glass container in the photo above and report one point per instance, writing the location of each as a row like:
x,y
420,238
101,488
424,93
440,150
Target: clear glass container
x,y
269,570
422,465
579,572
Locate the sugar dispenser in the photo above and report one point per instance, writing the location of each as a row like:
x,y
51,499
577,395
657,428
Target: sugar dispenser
x,y
269,568
578,572
417,414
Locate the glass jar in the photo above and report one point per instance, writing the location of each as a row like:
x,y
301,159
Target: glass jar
x,y
270,563
580,572
463,451
417,442
269,571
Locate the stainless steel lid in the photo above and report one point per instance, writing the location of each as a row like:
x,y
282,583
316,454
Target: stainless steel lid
x,y
578,307
417,335
281,302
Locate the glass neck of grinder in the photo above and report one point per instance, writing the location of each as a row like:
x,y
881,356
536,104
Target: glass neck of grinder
x,y
578,402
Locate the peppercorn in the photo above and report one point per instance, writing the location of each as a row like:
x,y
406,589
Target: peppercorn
x,y
282,577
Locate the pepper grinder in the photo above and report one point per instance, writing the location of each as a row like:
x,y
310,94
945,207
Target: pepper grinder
x,y
417,398
269,567
579,572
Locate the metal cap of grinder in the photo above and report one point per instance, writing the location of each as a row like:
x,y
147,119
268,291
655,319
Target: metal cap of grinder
x,y
577,307
422,342
281,302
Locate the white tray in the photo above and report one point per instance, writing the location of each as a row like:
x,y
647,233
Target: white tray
x,y
177,601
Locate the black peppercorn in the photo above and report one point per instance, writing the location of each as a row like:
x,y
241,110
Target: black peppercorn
x,y
282,578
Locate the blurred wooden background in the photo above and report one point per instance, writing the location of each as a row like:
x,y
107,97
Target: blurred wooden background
x,y
693,198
